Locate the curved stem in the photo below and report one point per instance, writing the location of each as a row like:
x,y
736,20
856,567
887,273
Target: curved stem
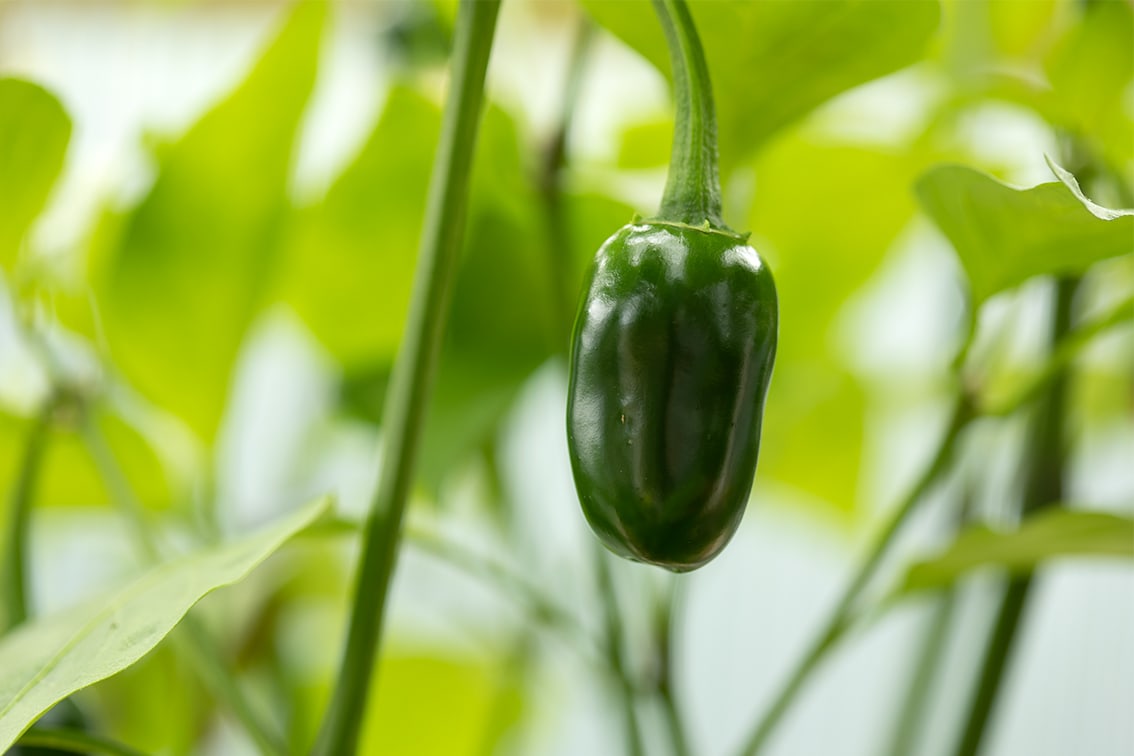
x,y
413,374
1045,463
693,187
14,585
74,741
615,658
842,616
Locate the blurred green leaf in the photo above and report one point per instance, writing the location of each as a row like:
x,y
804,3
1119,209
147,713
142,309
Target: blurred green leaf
x,y
1004,236
1091,69
1019,29
773,62
1055,534
817,406
34,131
350,266
349,260
49,659
192,262
471,696
645,144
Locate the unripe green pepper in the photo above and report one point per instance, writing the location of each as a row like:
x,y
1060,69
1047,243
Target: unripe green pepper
x,y
672,353
673,349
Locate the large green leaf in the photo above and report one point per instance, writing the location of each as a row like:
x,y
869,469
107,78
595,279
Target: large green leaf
x,y
1090,71
193,258
1054,534
49,659
773,62
349,260
34,131
1004,236
817,406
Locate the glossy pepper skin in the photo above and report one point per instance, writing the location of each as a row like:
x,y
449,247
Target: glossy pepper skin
x,y
672,353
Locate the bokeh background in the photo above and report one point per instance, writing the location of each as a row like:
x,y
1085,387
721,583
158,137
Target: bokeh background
x,y
226,259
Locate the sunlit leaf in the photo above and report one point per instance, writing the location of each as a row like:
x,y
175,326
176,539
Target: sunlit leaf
x,y
49,659
1090,71
1004,236
1055,534
34,131
773,62
474,698
195,257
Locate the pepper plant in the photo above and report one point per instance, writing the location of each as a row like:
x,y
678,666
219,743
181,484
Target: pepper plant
x,y
958,442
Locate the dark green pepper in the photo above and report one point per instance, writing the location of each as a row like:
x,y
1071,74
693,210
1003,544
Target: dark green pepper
x,y
672,353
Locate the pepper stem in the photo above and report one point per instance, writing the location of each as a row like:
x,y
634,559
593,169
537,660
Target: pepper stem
x,y
693,187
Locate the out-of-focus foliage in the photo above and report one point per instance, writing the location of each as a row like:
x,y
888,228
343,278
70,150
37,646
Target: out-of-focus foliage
x,y
175,282
190,269
1059,533
34,131
820,404
47,660
1005,236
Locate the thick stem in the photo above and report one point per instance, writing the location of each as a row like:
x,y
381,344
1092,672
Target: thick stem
x,y
1045,463
413,374
615,658
842,615
693,187
14,585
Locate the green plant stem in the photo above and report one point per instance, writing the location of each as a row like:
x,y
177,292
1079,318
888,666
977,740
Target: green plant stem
x,y
693,187
1045,462
912,714
194,638
666,632
15,604
842,616
413,374
74,741
616,660
929,663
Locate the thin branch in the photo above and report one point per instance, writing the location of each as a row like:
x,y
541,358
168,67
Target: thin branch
x,y
74,741
614,638
14,584
842,616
